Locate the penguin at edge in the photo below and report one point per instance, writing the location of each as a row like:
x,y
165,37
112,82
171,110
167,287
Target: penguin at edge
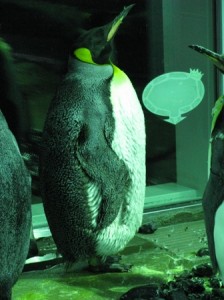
x,y
92,166
15,185
213,198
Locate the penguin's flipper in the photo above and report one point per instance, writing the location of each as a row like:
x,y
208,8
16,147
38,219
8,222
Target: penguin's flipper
x,y
105,169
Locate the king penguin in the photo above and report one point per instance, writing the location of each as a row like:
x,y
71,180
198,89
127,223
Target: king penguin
x,y
92,166
15,184
213,198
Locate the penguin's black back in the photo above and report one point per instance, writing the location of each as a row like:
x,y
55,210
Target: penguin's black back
x,y
15,181
15,211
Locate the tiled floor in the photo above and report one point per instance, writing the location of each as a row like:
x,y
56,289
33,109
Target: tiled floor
x,y
155,258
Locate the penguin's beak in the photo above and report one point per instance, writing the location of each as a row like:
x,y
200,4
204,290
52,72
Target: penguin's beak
x,y
217,59
117,22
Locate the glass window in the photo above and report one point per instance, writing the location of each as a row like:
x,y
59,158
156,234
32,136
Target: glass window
x,y
153,40
181,169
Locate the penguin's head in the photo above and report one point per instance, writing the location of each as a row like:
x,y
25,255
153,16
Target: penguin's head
x,y
217,59
95,45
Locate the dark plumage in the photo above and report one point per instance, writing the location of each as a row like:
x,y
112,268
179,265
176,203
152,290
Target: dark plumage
x,y
15,192
214,193
93,156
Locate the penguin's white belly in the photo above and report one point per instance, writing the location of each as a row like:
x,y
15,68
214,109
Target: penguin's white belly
x,y
129,145
219,239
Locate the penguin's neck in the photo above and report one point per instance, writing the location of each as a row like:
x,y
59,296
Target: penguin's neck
x,y
82,63
119,74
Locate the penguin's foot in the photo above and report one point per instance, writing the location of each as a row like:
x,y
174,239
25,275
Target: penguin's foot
x,y
108,264
148,228
33,249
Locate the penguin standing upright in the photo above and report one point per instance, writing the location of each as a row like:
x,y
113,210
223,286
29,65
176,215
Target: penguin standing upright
x,y
15,186
213,198
93,158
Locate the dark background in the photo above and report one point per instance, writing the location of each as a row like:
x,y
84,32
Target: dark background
x,y
41,33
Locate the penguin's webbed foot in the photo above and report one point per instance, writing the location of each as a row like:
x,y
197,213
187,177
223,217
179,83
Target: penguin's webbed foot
x,y
113,264
33,249
148,228
108,265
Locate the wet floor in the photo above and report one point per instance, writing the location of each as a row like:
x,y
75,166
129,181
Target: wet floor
x,y
155,257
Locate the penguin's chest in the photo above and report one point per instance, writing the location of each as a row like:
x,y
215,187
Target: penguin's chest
x,y
129,135
129,145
